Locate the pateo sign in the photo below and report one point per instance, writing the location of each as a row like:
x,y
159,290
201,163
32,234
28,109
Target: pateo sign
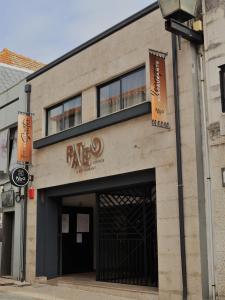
x,y
84,158
19,177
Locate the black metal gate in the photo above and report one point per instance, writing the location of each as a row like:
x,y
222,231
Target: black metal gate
x,y
127,236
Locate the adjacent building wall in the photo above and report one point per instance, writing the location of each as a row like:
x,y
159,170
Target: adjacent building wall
x,y
9,113
214,20
12,101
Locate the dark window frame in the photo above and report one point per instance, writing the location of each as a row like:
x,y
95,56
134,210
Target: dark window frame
x,y
58,105
11,133
118,78
222,87
96,124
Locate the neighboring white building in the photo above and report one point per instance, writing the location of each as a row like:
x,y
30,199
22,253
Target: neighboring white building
x,y
12,100
13,70
214,55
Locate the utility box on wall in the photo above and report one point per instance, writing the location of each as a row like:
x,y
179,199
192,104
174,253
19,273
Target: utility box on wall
x,y
7,198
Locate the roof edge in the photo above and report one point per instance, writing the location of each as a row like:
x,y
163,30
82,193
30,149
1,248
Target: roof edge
x,y
96,39
16,68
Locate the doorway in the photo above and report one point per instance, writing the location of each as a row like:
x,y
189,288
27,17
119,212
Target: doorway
x,y
76,240
7,243
124,238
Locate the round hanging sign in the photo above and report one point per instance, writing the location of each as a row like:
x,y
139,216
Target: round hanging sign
x,y
19,177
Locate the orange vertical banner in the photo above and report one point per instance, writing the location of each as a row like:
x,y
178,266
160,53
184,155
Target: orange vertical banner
x,y
158,90
24,142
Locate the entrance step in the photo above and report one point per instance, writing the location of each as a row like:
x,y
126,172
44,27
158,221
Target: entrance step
x,y
62,293
103,290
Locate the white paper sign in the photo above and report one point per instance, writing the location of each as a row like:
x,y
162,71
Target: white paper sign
x,y
65,223
83,223
79,238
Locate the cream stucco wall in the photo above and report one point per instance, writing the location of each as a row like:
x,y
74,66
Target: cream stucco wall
x,y
214,57
129,146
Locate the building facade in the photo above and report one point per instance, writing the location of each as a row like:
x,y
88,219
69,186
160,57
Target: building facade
x,y
12,101
106,179
13,70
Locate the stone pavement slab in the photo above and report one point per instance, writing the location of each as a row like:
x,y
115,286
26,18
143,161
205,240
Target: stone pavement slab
x,y
66,292
7,281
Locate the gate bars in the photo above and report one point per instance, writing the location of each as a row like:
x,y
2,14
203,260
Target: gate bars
x,y
127,236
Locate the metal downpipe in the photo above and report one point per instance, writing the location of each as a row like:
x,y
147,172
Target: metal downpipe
x,y
179,166
28,92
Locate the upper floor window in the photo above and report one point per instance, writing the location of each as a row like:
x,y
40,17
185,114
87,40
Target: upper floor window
x,y
64,116
222,86
123,92
8,152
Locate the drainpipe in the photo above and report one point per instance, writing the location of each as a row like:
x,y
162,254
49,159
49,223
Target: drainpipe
x,y
179,166
28,92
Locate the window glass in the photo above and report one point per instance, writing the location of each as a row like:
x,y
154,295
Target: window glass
x,y
4,150
72,113
133,88
55,119
13,159
64,116
110,98
124,92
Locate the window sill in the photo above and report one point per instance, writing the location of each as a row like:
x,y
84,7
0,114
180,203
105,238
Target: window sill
x,y
118,117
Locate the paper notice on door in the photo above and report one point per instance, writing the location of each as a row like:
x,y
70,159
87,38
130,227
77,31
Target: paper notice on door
x,y
65,223
79,238
83,223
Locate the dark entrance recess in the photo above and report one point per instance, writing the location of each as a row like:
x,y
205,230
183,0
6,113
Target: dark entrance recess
x,y
134,193
127,236
8,223
77,242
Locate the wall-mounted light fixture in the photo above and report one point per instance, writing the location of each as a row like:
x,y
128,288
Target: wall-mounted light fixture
x,y
179,10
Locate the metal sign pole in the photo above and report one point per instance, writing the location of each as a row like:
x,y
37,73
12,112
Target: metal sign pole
x,y
28,92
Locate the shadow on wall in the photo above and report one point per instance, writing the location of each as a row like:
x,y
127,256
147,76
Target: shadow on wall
x,y
212,4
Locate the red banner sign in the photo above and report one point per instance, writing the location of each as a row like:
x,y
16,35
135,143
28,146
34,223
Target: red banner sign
x,y
158,90
24,142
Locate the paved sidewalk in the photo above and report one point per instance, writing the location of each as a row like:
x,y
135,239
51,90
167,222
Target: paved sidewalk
x,y
70,292
8,296
6,281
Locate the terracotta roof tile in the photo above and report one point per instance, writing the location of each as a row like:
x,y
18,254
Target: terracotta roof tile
x,y
11,58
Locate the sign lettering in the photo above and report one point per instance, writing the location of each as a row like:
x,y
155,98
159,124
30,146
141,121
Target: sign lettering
x,y
24,144
19,177
81,157
158,90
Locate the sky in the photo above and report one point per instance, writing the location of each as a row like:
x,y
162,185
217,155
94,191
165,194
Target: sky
x,y
46,29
